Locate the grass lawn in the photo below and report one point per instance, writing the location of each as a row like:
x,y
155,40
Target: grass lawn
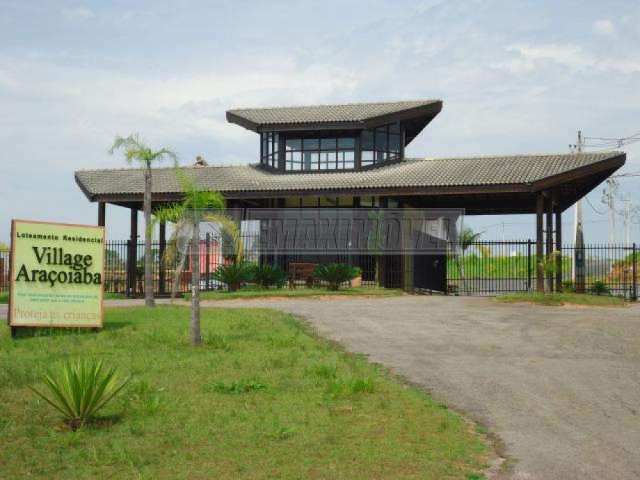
x,y
4,297
253,292
555,299
262,399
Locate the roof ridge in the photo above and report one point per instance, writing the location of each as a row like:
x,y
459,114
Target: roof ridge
x,y
123,169
517,155
350,104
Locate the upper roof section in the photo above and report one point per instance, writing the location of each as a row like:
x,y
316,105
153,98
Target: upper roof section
x,y
351,116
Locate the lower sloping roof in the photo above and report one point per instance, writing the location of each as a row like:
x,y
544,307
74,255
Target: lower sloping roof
x,y
518,172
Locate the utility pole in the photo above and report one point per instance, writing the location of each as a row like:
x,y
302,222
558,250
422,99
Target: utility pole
x,y
608,197
577,272
627,221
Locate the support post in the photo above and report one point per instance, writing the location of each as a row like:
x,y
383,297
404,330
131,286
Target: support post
x,y
558,247
163,247
102,210
539,245
634,272
529,269
133,253
549,237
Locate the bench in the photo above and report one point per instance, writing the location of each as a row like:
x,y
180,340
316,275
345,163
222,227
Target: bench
x,y
299,271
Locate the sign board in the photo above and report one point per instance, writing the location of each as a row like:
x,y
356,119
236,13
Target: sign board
x,y
57,273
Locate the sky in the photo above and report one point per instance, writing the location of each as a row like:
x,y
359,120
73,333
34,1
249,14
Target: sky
x,y
514,76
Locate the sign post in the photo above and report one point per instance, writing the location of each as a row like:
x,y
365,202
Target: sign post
x,y
57,273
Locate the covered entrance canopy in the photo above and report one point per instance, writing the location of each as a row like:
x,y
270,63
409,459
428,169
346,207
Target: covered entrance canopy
x,y
481,185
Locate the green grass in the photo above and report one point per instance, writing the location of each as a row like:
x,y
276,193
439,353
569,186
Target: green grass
x,y
555,299
262,398
476,266
254,292
4,297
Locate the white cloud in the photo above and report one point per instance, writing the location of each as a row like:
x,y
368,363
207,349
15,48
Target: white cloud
x,y
573,57
604,26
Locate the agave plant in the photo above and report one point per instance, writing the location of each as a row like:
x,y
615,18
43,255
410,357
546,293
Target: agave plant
x,y
335,274
79,389
234,275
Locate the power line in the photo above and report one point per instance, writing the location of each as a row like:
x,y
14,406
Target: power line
x,y
594,208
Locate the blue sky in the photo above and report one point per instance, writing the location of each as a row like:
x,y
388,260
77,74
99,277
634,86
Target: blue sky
x,y
515,77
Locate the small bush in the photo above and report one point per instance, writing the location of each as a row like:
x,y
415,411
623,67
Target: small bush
x,y
568,286
267,276
600,288
79,389
335,274
234,275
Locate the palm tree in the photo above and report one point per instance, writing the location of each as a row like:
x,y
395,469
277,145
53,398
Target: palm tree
x,y
197,206
137,151
466,239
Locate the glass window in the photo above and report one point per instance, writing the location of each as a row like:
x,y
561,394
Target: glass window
x,y
367,140
394,128
328,144
381,139
346,143
394,143
310,144
294,144
320,153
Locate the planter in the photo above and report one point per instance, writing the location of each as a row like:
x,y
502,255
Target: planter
x,y
356,282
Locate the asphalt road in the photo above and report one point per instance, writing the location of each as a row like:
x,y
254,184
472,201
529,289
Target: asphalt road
x,y
560,386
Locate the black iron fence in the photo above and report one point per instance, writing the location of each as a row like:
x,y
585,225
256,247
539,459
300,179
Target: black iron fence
x,y
490,267
479,268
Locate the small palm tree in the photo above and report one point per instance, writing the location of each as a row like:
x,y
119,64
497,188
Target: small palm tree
x,y
197,206
137,151
467,238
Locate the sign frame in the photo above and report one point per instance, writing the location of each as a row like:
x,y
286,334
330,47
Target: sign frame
x,y
12,267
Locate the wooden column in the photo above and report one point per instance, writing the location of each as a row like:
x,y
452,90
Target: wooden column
x,y
102,210
539,243
163,247
558,247
549,236
132,254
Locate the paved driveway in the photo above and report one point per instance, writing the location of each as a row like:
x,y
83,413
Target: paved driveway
x,y
560,386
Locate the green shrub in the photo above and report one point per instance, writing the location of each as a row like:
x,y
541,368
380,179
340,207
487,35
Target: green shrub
x,y
600,288
79,389
267,275
335,274
234,275
568,286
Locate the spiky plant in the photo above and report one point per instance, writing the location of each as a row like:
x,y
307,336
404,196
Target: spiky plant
x,y
335,274
267,275
136,151
235,274
79,389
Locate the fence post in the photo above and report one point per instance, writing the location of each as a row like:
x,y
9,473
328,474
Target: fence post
x,y
207,246
529,265
128,275
634,272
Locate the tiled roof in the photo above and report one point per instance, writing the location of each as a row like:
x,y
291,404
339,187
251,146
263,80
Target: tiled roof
x,y
318,114
416,173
